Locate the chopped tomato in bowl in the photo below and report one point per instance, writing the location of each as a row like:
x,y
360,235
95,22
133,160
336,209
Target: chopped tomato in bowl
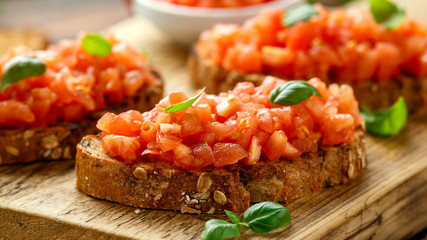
x,y
74,84
237,127
216,3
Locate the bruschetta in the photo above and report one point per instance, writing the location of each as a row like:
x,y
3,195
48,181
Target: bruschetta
x,y
43,117
339,46
225,151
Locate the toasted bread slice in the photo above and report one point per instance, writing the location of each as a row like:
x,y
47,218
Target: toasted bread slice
x,y
59,141
159,185
375,95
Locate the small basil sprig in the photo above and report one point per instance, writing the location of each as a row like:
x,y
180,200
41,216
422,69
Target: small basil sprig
x,y
386,122
387,13
96,45
182,105
292,93
262,217
297,14
219,229
20,68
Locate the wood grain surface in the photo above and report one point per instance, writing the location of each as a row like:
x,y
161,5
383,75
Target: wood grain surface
x,y
389,201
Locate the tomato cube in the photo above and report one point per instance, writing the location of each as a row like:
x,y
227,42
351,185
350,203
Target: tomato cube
x,y
228,153
125,147
274,145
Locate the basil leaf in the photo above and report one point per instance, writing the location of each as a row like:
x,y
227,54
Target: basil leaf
x,y
265,217
386,122
20,68
182,105
297,14
220,229
233,217
292,93
96,45
387,13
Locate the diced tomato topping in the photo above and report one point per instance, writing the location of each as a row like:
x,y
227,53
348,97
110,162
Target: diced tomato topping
x,y
228,106
228,153
333,45
255,150
167,142
203,111
191,125
177,97
275,142
239,135
12,111
75,83
148,131
125,147
170,128
184,158
204,154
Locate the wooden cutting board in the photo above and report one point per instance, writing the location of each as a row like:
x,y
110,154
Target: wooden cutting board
x,y
389,201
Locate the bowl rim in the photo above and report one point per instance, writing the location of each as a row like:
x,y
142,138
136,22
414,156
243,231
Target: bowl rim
x,y
176,9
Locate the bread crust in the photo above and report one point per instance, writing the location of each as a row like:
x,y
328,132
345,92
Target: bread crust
x,y
159,185
376,95
59,141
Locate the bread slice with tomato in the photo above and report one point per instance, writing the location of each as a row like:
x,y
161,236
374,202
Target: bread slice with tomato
x,y
337,46
50,99
214,152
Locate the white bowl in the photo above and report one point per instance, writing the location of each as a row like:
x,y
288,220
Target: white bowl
x,y
184,24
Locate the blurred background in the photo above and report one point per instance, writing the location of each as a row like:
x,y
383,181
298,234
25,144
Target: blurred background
x,y
41,22
37,22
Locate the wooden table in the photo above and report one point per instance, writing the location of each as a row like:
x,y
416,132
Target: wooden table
x,y
39,201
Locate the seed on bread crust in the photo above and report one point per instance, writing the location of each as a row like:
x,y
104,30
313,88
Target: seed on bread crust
x,y
185,209
12,151
203,183
140,173
67,153
192,202
157,197
202,195
167,172
211,210
220,197
50,142
28,134
350,171
47,153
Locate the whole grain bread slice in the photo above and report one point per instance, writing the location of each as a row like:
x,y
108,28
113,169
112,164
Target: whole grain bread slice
x,y
159,185
375,95
59,141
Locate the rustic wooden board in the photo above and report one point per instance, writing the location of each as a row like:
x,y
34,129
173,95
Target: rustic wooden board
x,y
389,201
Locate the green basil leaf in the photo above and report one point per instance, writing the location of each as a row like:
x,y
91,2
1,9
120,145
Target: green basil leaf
x,y
96,45
182,105
388,13
292,93
233,217
297,14
265,217
20,68
216,229
386,122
